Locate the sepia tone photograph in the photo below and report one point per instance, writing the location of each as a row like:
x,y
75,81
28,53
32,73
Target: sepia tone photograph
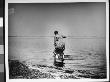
x,y
57,40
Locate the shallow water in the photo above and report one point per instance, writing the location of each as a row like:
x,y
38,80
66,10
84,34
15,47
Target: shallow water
x,y
33,52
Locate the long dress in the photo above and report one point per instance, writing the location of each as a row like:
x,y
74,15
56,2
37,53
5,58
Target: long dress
x,y
59,46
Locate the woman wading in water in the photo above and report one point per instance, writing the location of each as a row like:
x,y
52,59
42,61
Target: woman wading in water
x,y
59,45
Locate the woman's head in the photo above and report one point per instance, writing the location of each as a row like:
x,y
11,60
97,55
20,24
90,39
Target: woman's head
x,y
55,32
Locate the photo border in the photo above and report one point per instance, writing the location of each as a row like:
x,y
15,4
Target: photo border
x,y
54,1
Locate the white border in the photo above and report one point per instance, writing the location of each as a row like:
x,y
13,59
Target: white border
x,y
54,1
107,38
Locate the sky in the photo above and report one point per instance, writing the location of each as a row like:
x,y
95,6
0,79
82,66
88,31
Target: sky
x,y
79,20
75,19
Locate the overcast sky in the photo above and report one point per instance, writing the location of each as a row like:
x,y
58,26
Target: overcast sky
x,y
77,19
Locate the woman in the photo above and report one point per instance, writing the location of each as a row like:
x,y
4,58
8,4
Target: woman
x,y
59,45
